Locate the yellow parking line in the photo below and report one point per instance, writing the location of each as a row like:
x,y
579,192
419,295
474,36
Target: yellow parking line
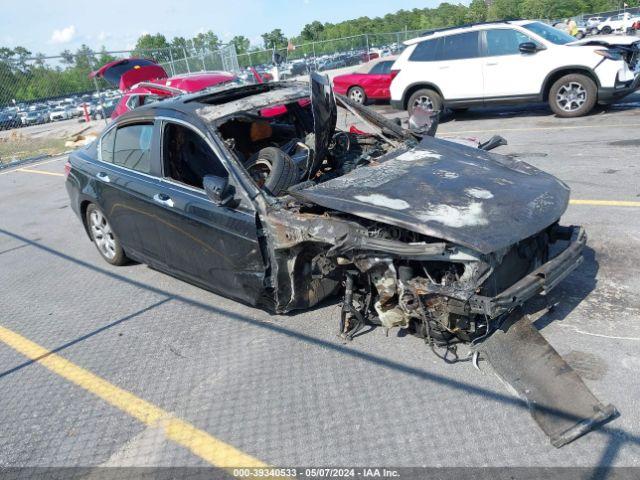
x,y
605,203
57,159
557,127
202,444
41,172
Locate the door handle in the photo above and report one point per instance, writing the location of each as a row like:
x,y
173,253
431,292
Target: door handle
x,y
491,64
163,199
103,177
444,67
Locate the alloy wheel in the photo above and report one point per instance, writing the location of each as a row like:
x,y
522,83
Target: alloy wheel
x,y
102,234
423,101
571,96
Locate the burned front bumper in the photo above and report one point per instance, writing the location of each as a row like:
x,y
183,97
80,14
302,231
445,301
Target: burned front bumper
x,y
540,281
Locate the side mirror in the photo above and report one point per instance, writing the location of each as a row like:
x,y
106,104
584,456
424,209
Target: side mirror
x,y
528,47
217,189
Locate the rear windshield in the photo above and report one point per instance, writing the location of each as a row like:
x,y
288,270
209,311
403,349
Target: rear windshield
x,y
551,34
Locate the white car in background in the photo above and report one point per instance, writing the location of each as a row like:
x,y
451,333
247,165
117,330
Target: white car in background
x,y
617,23
514,62
59,113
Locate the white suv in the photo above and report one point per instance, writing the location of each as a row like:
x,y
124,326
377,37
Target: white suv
x,y
514,62
620,22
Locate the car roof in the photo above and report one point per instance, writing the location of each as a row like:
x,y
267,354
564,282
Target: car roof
x,y
471,27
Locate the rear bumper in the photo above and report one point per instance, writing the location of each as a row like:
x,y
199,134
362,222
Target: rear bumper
x,y
611,94
540,281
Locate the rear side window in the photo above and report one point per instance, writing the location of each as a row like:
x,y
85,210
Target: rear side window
x,y
132,147
425,51
458,47
381,68
505,41
106,146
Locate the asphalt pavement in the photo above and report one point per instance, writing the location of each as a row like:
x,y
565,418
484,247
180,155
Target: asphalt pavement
x,y
119,366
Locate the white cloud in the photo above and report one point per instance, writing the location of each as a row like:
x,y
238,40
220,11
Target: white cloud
x,y
102,36
64,35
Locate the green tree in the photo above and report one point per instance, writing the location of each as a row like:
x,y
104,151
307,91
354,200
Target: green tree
x,y
241,43
274,38
151,42
67,57
208,41
312,31
477,11
501,9
85,58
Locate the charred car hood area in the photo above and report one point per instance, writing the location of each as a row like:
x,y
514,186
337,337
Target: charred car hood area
x,y
476,199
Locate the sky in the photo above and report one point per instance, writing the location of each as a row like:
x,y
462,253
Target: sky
x,y
55,25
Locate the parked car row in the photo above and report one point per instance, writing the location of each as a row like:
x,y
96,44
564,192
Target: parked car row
x,y
22,114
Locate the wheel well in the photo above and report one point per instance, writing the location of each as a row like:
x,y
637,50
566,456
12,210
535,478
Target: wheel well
x,y
551,79
414,88
83,213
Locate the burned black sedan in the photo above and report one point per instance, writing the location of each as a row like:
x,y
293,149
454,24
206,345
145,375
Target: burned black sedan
x,y
255,193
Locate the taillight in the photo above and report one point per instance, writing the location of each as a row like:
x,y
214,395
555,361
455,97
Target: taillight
x,y
67,169
394,73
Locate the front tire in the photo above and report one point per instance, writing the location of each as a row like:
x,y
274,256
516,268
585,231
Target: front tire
x,y
573,95
103,236
425,97
606,30
357,95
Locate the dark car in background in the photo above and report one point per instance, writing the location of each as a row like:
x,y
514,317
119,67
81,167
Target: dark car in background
x,y
9,120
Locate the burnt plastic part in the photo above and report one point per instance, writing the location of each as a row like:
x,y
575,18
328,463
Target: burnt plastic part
x,y
323,107
559,401
540,281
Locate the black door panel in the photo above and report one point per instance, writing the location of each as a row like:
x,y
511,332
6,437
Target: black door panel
x,y
214,246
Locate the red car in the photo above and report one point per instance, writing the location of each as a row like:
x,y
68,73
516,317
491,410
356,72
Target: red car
x,y
370,82
143,80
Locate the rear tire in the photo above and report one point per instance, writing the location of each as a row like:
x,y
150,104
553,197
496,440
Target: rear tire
x,y
357,95
425,97
573,95
273,170
103,236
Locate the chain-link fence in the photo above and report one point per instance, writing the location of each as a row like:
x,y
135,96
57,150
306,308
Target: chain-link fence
x,y
59,102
